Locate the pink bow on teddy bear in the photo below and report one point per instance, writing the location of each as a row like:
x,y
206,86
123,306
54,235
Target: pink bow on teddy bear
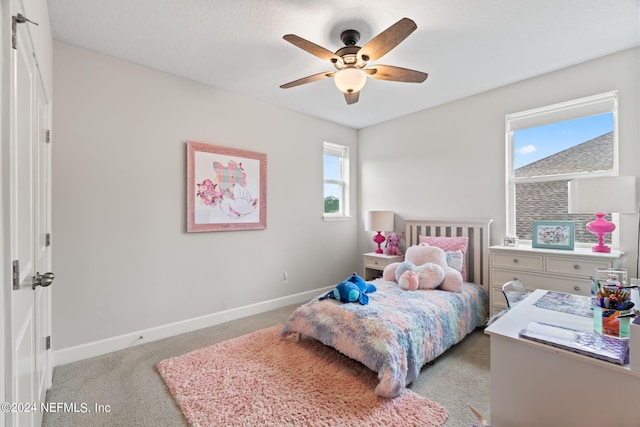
x,y
393,245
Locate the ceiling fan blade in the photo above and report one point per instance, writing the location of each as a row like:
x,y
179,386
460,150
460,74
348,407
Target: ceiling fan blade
x,y
308,79
387,40
352,97
312,48
396,74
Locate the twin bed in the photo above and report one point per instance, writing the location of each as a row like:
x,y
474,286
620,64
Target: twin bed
x,y
399,331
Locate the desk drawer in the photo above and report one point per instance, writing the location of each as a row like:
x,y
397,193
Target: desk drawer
x,y
574,267
517,261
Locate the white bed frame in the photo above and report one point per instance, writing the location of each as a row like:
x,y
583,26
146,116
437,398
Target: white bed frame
x,y
477,230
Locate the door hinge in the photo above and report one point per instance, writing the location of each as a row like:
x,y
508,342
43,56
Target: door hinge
x,y
15,20
47,136
47,239
47,343
16,275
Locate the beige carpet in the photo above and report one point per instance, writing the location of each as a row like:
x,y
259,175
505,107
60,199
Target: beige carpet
x,y
129,383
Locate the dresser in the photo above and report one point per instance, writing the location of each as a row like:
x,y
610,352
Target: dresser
x,y
551,269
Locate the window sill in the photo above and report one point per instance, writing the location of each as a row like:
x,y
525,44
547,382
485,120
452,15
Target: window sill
x,y
330,218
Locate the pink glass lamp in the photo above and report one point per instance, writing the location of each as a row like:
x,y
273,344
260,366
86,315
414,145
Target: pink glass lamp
x,y
611,194
379,221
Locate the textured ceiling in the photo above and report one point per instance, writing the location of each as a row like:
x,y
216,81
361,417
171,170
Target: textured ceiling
x,y
466,46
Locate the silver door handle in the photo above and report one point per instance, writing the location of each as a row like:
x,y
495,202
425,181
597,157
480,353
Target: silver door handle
x,y
43,280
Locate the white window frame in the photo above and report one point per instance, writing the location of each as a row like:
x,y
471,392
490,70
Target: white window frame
x,y
589,106
342,152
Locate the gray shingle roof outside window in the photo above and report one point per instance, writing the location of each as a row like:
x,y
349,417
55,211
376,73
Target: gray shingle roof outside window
x,y
547,201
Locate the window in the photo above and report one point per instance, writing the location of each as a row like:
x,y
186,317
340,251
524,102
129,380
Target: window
x,y
549,146
336,180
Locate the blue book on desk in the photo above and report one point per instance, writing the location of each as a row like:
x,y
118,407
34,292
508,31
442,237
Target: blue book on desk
x,y
588,343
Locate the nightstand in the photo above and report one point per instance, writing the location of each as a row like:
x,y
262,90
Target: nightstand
x,y
375,263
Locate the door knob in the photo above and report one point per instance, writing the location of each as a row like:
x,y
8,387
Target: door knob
x,y
43,280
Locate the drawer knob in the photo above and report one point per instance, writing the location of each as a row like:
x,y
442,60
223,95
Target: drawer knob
x,y
576,288
375,262
577,266
515,260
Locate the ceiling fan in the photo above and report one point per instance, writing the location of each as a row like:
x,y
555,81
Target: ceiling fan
x,y
351,60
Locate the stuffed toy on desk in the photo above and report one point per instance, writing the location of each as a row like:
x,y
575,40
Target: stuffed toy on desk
x,y
354,289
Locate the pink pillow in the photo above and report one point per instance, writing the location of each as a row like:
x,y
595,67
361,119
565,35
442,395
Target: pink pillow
x,y
450,244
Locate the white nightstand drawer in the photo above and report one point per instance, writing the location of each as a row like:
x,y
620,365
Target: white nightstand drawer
x,y
374,264
574,267
378,262
517,261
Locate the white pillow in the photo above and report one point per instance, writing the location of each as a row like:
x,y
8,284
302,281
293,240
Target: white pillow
x,y
455,259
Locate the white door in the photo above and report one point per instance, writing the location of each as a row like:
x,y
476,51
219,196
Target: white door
x,y
42,297
29,371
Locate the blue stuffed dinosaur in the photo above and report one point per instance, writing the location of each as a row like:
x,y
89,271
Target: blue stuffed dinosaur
x,y
351,290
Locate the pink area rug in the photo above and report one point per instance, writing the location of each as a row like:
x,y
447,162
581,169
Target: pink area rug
x,y
260,379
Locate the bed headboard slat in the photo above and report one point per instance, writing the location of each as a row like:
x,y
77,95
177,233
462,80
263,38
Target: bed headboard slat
x,y
477,230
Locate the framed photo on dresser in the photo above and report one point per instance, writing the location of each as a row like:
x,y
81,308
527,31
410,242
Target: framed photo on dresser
x,y
553,235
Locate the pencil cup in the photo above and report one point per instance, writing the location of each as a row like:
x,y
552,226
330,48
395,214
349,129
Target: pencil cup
x,y
611,322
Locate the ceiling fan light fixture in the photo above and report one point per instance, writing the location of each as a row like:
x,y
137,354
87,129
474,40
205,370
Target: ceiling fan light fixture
x,y
350,61
350,79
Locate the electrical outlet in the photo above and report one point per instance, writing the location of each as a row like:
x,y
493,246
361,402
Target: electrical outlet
x,y
285,278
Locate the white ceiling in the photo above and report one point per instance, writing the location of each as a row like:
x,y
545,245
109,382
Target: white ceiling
x,y
466,46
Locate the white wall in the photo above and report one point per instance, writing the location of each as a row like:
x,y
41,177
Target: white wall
x,y
123,260
449,161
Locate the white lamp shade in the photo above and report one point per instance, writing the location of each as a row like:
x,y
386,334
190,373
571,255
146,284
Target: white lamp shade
x,y
611,194
379,221
350,79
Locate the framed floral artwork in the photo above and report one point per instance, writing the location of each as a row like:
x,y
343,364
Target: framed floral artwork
x,y
553,235
226,188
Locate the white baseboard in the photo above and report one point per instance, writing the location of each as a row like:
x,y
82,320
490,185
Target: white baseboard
x,y
108,345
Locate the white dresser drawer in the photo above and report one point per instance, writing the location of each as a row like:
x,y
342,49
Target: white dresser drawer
x,y
533,281
574,267
496,310
555,270
497,297
517,260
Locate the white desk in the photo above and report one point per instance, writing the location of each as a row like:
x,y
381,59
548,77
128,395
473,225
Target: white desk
x,y
534,384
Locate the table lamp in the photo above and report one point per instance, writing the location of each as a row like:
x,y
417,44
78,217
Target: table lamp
x,y
379,221
610,194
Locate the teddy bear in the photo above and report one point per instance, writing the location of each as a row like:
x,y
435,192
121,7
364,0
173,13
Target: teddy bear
x,y
393,245
428,265
426,276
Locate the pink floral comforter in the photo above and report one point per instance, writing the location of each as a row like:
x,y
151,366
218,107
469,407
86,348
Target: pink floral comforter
x,y
397,332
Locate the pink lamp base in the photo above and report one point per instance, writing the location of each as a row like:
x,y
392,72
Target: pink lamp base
x,y
600,227
379,238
